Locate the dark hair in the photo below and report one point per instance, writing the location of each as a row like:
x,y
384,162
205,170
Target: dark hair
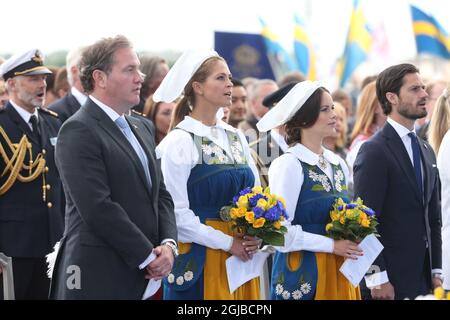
x,y
391,80
306,117
99,56
237,82
183,108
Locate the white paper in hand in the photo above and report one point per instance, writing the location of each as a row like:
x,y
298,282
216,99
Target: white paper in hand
x,y
153,285
239,272
354,270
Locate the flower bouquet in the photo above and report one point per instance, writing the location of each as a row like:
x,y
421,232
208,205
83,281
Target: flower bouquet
x,y
351,221
257,212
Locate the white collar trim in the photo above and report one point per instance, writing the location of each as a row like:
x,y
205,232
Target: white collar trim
x,y
311,158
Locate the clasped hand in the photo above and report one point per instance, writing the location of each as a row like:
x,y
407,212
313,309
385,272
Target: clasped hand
x,y
162,265
244,246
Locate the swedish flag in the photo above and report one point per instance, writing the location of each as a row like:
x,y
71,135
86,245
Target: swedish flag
x,y
278,56
431,38
359,41
304,51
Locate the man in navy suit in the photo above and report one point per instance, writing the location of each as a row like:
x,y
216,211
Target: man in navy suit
x,y
395,174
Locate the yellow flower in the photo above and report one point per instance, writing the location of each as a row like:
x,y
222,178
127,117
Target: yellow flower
x,y
233,213
241,212
349,213
277,225
362,216
334,215
439,293
342,220
250,216
329,226
365,223
262,204
242,202
259,223
257,189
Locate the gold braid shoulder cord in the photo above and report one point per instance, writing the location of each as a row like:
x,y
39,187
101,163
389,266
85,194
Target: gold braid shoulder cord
x,y
16,164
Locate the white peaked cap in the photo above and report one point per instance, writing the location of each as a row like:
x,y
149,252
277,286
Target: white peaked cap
x,y
179,75
287,107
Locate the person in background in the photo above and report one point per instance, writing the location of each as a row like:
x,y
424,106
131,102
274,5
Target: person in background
x,y
154,69
434,90
338,141
239,104
160,114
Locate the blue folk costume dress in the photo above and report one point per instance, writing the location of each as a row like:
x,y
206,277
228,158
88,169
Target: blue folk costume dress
x,y
217,176
307,275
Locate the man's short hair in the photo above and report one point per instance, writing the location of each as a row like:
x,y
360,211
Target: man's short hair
x,y
100,56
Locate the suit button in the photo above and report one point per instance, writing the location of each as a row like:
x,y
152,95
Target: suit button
x,y
49,205
46,169
47,187
44,151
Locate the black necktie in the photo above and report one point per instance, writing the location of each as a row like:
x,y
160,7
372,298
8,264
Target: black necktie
x,y
416,159
34,124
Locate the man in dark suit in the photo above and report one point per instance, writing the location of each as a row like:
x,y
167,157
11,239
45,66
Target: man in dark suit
x,y
395,174
75,98
119,214
31,213
272,144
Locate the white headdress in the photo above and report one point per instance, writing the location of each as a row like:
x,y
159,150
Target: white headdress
x,y
179,75
288,106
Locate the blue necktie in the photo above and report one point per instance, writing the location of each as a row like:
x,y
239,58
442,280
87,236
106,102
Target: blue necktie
x,y
416,159
125,128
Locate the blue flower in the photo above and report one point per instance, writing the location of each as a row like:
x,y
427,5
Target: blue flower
x,y
245,191
259,212
235,199
273,214
254,200
368,211
351,206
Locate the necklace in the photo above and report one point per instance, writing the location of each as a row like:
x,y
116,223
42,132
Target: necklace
x,y
322,162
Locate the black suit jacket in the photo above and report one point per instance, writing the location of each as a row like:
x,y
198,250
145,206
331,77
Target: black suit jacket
x,y
114,219
28,227
384,178
65,107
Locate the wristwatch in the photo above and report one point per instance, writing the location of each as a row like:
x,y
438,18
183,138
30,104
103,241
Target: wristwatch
x,y
172,247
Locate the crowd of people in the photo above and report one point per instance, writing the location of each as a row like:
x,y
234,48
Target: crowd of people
x,y
126,163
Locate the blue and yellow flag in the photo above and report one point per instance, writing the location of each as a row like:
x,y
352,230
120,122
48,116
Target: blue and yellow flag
x,y
304,51
278,56
431,38
359,41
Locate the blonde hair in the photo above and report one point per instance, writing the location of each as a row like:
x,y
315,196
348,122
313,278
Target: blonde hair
x,y
440,121
365,111
341,141
183,108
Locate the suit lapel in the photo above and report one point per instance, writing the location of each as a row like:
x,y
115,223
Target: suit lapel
x,y
395,144
139,132
427,163
113,130
23,126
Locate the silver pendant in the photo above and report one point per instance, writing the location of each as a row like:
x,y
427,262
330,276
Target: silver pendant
x,y
322,162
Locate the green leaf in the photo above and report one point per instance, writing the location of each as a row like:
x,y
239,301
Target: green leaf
x,y
273,238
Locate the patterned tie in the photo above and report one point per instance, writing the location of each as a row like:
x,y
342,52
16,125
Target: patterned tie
x,y
416,159
125,128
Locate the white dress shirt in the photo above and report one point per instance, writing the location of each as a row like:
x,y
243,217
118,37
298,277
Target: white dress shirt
x,y
443,163
24,114
81,97
285,180
179,155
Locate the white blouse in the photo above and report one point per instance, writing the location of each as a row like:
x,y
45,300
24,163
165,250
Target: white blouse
x,y
179,155
285,180
443,163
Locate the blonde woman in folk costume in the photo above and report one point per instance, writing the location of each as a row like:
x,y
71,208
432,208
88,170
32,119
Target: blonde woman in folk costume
x,y
205,162
310,178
